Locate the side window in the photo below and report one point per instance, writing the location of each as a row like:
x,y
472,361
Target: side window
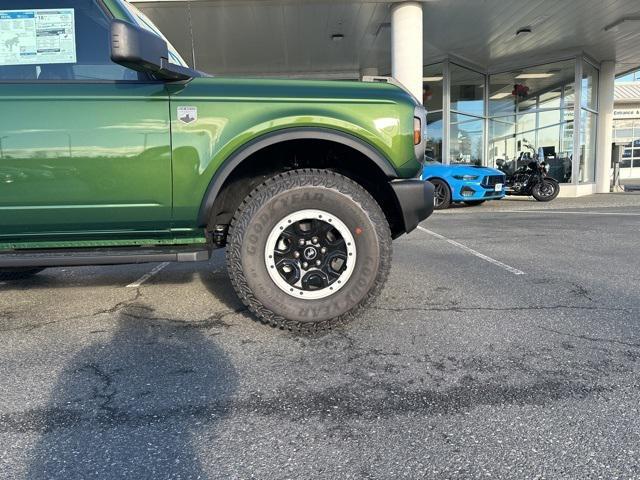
x,y
57,40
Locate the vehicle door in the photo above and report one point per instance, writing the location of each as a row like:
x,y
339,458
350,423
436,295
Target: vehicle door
x,y
84,142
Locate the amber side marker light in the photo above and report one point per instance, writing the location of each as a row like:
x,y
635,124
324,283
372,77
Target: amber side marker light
x,y
417,131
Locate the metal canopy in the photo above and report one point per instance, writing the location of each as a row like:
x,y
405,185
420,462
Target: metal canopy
x,y
296,37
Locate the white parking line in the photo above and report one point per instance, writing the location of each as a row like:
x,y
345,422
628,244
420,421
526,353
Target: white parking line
x,y
147,276
632,214
508,268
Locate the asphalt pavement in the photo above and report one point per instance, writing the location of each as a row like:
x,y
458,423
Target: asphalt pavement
x,y
505,345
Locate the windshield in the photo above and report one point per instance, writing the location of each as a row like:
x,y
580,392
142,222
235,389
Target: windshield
x,y
144,22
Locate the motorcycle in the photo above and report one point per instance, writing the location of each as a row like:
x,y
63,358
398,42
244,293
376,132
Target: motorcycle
x,y
531,179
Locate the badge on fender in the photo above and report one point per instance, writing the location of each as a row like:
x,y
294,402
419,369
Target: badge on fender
x,y
187,114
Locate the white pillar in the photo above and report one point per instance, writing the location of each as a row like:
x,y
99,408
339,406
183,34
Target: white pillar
x,y
606,86
406,45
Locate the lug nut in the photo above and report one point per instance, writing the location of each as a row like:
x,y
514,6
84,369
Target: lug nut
x,y
305,265
318,263
323,250
314,240
301,241
296,254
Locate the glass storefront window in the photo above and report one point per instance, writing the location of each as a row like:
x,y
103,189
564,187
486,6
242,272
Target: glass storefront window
x,y
551,99
623,130
502,146
529,111
541,86
544,129
511,142
627,155
466,139
627,133
589,86
434,137
539,99
466,90
432,87
569,96
587,165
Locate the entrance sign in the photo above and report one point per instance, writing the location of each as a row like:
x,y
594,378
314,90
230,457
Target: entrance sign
x,y
620,113
37,37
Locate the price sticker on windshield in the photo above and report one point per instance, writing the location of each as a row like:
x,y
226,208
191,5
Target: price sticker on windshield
x,y
37,37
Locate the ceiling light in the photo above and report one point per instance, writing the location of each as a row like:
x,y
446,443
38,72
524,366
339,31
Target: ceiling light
x,y
500,95
338,37
432,79
525,76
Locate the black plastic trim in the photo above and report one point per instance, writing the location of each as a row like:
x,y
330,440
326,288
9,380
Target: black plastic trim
x,y
106,256
301,133
415,198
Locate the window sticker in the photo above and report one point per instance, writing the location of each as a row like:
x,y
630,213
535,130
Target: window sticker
x,y
37,37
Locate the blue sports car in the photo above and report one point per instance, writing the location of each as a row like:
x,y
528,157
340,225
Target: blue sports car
x,y
470,184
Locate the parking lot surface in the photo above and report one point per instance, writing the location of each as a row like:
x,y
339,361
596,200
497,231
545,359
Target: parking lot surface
x,y
506,344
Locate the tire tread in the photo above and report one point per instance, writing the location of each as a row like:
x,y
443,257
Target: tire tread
x,y
297,179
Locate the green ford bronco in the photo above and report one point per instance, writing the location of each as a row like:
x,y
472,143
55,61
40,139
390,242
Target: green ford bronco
x,y
114,151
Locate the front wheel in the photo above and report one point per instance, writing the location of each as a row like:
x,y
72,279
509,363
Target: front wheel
x,y
441,195
546,190
308,249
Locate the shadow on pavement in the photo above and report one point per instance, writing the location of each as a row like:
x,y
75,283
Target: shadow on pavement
x,y
128,406
219,285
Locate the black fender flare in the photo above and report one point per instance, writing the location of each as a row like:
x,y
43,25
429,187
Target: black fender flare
x,y
294,133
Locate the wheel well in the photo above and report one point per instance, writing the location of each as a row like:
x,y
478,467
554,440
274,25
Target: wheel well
x,y
303,153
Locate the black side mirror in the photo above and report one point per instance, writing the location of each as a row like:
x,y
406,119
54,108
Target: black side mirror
x,y
140,50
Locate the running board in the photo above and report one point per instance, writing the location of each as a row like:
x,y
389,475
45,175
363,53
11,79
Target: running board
x,y
102,256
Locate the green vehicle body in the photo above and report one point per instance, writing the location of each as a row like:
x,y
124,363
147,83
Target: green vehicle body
x,y
100,164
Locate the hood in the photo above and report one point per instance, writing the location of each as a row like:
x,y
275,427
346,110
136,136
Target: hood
x,y
459,169
282,89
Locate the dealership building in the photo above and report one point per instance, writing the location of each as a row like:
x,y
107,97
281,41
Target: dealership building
x,y
502,80
626,126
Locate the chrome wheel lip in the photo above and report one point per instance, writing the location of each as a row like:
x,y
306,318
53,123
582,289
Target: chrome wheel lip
x,y
310,214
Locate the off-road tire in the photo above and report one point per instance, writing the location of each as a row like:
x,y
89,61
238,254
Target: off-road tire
x,y
441,194
473,203
283,195
8,274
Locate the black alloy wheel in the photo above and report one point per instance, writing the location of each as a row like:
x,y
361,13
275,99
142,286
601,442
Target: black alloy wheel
x,y
441,195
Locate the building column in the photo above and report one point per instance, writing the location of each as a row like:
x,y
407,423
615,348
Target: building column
x,y
606,87
406,45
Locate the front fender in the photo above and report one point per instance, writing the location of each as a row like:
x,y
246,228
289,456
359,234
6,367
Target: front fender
x,y
235,159
207,150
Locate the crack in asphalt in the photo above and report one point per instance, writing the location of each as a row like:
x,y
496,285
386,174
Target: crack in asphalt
x,y
591,339
132,309
215,320
35,326
337,403
580,291
459,309
117,307
105,391
120,305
